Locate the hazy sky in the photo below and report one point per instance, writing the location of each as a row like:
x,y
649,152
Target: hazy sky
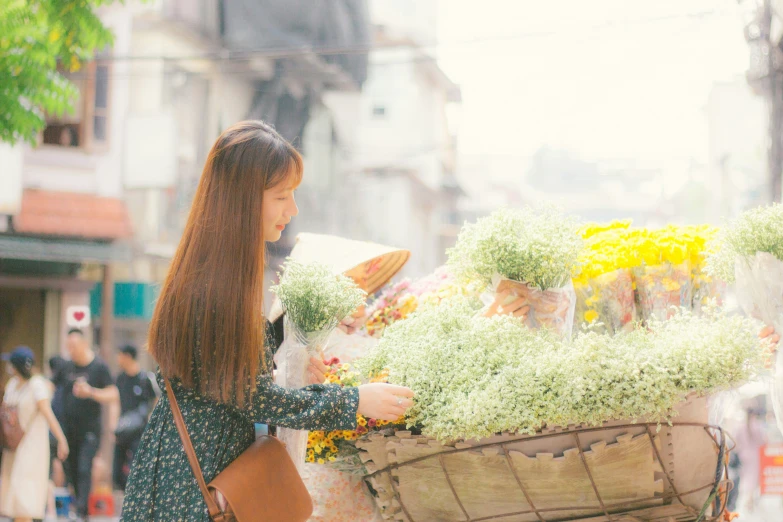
x,y
605,78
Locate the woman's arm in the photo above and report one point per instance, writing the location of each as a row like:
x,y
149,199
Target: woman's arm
x,y
315,408
326,407
45,407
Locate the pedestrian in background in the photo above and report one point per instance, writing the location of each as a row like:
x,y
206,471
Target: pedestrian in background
x,y
87,385
138,392
24,472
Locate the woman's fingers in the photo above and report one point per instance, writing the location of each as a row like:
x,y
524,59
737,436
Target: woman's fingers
x,y
766,332
401,391
317,371
399,402
319,365
501,296
315,377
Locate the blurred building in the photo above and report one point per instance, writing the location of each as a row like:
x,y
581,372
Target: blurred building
x,y
63,220
203,65
391,177
597,190
737,149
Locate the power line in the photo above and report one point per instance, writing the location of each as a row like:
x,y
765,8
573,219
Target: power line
x,y
250,53
423,58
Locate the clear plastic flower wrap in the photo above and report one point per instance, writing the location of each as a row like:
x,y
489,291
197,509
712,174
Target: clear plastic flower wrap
x,y
552,308
314,301
662,289
759,285
608,300
293,359
707,290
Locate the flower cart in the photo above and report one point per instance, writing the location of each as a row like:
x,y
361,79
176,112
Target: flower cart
x,y
620,471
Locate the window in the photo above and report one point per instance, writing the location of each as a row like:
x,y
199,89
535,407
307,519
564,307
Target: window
x,y
87,127
379,111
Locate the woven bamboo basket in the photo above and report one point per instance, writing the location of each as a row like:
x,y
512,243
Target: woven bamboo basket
x,y
619,472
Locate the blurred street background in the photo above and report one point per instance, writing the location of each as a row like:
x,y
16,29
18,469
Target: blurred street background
x,y
413,116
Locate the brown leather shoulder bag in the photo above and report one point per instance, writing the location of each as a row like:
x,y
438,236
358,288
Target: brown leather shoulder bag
x,y
261,484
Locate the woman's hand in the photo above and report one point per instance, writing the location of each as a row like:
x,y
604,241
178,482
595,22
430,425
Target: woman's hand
x,y
354,322
62,449
317,371
768,332
517,308
384,401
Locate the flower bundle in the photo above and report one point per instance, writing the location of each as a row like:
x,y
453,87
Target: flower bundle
x,y
394,303
538,247
314,299
756,230
336,447
605,291
625,272
750,252
530,252
398,300
476,376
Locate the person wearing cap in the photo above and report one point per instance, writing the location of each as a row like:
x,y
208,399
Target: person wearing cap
x,y
24,472
138,391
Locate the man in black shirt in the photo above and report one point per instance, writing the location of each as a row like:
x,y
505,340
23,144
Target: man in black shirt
x,y
87,384
137,391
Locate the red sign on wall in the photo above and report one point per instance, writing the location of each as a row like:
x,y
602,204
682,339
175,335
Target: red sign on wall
x,y
772,469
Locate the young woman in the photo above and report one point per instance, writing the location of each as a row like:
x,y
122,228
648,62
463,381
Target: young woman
x,y
24,477
207,333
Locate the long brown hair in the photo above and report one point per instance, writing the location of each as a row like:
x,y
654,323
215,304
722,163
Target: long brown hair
x,y
213,294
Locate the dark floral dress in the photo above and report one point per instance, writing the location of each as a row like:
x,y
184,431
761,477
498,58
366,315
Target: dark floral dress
x,y
161,485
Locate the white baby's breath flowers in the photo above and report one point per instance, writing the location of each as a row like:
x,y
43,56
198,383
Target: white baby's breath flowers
x,y
538,247
756,230
314,298
476,376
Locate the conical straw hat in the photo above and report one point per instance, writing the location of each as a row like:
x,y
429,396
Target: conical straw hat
x,y
369,264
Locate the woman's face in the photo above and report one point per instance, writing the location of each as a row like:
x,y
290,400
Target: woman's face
x,y
279,208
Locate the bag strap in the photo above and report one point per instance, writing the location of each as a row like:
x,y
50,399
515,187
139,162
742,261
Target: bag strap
x,y
214,511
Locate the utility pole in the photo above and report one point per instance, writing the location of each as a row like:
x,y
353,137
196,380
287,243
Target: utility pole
x,y
765,76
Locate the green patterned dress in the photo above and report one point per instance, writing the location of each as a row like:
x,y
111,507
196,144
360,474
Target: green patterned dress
x,y
161,486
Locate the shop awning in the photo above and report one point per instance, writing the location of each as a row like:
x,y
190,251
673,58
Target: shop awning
x,y
61,250
69,214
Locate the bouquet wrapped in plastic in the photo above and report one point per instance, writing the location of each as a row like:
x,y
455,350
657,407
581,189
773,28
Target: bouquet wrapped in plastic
x,y
552,308
760,294
706,289
607,299
750,252
315,301
531,253
604,286
665,266
662,289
